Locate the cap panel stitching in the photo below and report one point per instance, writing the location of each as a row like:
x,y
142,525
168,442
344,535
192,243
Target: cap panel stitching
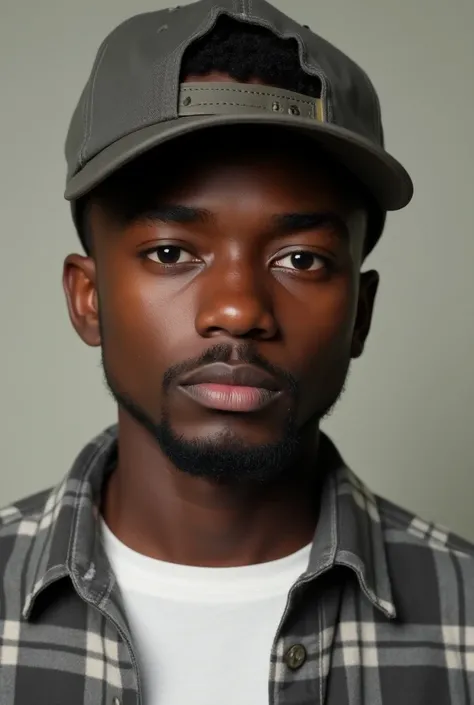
x,y
378,112
89,114
234,105
296,97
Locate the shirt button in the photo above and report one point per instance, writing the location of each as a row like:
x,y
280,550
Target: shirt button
x,y
295,656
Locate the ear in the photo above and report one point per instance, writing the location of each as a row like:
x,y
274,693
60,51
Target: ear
x,y
369,283
79,283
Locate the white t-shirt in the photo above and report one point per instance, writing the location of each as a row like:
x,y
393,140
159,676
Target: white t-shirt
x,y
203,636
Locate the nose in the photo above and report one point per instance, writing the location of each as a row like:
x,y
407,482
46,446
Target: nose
x,y
236,304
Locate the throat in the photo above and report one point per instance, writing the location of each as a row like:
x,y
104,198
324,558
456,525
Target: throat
x,y
190,521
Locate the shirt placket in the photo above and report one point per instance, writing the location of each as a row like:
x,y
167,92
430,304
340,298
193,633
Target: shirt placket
x,y
301,652
111,661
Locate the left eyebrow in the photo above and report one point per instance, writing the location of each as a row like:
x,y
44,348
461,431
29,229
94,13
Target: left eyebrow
x,y
175,213
287,223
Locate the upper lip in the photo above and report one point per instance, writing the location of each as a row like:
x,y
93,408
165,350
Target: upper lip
x,y
234,375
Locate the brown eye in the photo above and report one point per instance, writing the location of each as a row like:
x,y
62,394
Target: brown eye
x,y
302,260
170,254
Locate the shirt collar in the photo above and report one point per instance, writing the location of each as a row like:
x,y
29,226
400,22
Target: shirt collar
x,y
67,540
349,531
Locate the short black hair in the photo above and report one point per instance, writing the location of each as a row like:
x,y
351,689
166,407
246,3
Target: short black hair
x,y
243,51
247,51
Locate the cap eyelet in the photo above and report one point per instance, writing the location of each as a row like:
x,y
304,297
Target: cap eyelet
x,y
163,28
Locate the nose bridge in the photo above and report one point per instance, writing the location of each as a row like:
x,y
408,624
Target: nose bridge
x,y
235,299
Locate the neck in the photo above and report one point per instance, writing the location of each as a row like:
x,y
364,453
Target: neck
x,y
163,513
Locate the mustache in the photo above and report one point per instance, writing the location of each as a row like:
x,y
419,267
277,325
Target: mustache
x,y
225,352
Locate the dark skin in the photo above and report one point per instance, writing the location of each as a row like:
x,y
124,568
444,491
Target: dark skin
x,y
235,283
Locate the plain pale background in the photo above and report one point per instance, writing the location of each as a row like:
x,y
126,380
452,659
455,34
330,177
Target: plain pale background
x,y
406,422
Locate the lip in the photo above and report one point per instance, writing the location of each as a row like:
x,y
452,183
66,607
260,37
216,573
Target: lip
x,y
232,388
232,375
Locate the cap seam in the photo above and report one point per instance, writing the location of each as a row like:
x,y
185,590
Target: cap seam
x,y
378,110
90,105
85,112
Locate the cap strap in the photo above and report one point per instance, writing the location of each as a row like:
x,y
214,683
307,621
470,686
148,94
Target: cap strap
x,y
238,98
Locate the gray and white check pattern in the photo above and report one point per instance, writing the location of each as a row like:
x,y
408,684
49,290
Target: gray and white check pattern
x,y
383,615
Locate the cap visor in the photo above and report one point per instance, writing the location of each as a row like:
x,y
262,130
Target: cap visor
x,y
383,176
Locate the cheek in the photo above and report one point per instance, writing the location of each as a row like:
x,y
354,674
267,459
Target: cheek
x,y
319,331
145,325
321,321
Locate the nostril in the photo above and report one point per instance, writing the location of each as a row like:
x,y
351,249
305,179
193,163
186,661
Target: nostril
x,y
241,332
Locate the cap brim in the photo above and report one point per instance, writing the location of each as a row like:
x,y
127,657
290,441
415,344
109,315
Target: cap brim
x,y
383,176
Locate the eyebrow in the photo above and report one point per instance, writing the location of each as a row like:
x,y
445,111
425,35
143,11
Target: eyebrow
x,y
176,214
287,223
283,224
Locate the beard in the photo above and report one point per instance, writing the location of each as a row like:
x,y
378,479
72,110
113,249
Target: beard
x,y
223,457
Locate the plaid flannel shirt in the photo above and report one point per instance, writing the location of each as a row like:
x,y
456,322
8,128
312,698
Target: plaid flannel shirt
x,y
383,615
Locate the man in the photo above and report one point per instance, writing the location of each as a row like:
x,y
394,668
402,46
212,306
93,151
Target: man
x,y
227,178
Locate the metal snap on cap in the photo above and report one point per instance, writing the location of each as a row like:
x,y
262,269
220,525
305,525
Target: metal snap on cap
x,y
187,100
294,110
295,656
276,107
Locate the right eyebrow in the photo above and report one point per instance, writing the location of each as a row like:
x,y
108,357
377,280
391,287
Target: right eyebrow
x,y
175,214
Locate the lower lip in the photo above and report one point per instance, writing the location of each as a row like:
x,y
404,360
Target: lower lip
x,y
224,397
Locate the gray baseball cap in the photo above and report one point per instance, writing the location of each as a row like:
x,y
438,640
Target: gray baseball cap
x,y
134,100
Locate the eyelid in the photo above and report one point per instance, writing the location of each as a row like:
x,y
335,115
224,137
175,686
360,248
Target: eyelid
x,y
295,249
164,243
322,263
145,254
154,243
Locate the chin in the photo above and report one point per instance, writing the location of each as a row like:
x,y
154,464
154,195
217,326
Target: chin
x,y
227,434
223,455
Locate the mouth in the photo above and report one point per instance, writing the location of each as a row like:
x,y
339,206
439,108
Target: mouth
x,y
232,388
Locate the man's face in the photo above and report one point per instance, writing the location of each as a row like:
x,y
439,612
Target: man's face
x,y
246,258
